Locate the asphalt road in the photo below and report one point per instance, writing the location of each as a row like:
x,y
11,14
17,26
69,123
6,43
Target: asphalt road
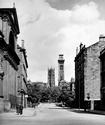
x,y
49,114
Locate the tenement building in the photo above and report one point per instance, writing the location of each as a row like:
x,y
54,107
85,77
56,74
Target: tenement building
x,y
9,60
60,69
87,75
51,77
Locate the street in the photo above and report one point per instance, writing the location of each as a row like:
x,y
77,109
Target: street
x,y
50,114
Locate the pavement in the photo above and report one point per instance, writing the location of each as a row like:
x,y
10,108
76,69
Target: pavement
x,y
50,114
87,111
32,111
97,112
12,113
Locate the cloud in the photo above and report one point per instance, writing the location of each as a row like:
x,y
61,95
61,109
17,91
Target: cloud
x,y
87,13
49,32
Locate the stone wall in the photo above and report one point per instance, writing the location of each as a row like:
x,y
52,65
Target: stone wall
x,y
92,71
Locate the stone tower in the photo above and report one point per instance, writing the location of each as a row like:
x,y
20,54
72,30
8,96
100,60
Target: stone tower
x,y
60,68
51,77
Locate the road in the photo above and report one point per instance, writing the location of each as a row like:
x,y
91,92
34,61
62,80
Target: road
x,y
49,114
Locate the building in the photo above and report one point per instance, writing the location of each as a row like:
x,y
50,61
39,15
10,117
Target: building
x,y
87,75
9,60
72,85
79,77
51,77
41,84
60,68
102,59
22,75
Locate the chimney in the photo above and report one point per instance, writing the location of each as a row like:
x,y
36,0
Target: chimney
x,y
81,46
22,44
102,37
76,50
14,5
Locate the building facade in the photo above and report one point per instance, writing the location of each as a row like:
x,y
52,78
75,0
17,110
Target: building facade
x,y
102,59
72,85
60,68
9,60
51,77
79,77
22,75
87,75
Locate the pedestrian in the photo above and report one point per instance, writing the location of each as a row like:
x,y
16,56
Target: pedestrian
x,y
21,109
17,109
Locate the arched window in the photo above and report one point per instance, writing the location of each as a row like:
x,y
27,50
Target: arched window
x,y
11,40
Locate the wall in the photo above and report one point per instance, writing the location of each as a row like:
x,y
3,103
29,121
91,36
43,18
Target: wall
x,y
10,74
92,71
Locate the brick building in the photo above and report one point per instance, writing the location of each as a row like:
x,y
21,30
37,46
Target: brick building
x,y
87,75
9,60
51,77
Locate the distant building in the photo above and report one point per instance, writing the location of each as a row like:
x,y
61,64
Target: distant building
x,y
51,77
87,74
9,60
72,85
60,68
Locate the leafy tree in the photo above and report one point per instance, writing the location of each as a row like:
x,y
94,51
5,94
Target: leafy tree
x,y
66,97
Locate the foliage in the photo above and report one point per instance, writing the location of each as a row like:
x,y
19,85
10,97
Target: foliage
x,y
50,94
66,97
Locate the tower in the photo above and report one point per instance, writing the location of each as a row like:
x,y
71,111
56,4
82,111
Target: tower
x,y
60,68
51,77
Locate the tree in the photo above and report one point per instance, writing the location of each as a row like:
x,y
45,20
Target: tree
x,y
66,97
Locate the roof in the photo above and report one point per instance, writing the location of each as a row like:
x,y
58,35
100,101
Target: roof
x,y
12,14
24,53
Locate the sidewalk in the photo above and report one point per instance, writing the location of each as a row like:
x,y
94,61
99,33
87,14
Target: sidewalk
x,y
97,112
89,111
12,113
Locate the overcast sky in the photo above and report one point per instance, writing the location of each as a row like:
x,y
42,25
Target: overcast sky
x,y
53,27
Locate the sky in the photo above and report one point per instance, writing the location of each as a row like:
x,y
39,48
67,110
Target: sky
x,y
53,27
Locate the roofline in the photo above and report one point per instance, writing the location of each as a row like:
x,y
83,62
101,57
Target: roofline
x,y
14,12
24,53
92,44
